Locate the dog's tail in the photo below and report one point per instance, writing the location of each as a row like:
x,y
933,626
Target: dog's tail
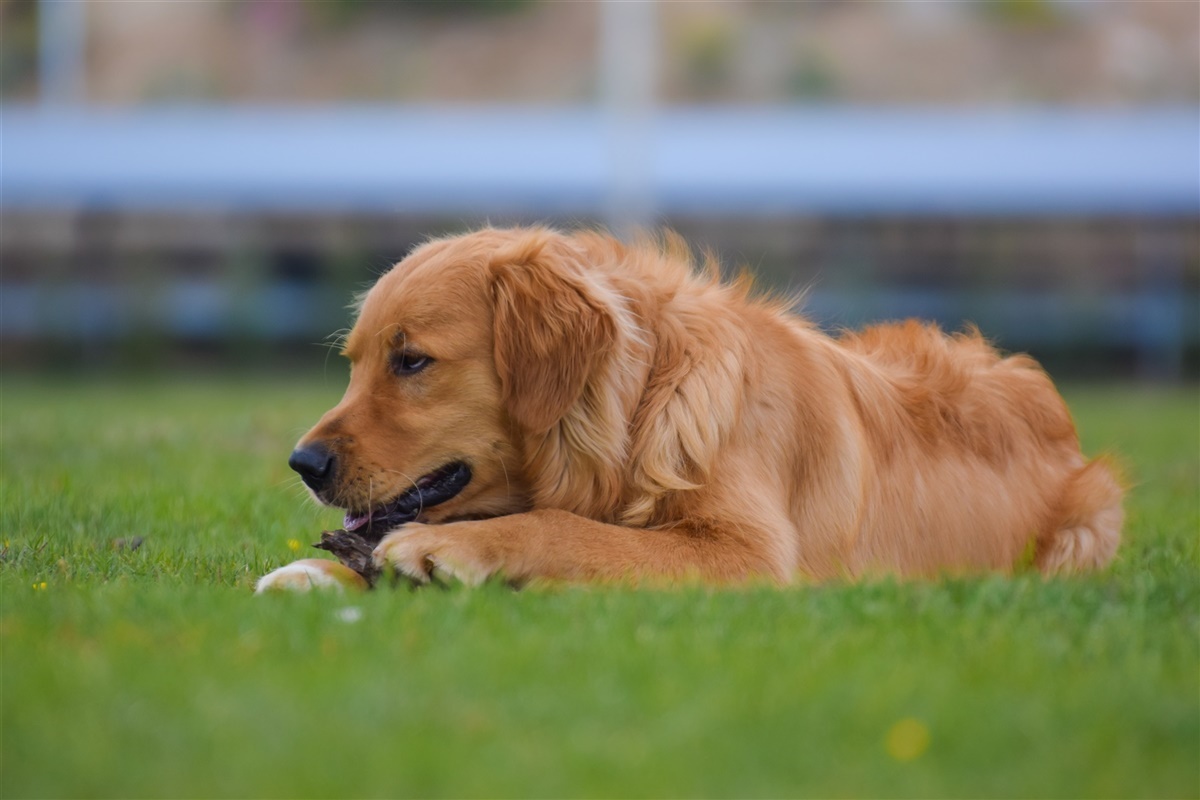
x,y
1089,525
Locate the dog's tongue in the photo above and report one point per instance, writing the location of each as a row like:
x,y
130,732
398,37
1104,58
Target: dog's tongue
x,y
354,522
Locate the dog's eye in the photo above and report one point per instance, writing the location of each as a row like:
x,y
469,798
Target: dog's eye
x,y
408,363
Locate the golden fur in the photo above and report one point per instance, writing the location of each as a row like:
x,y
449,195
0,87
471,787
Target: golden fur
x,y
626,415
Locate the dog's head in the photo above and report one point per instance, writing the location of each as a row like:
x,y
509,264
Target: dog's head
x,y
460,353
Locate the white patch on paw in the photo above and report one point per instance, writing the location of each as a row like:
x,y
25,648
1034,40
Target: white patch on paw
x,y
302,576
445,571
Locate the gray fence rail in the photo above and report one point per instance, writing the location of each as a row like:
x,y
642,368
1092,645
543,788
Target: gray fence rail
x,y
583,161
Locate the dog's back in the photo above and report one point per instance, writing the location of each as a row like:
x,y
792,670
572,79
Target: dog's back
x,y
976,454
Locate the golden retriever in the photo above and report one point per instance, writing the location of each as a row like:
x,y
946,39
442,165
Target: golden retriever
x,y
565,406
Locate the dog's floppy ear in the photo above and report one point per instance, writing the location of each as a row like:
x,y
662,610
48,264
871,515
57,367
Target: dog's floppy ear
x,y
553,328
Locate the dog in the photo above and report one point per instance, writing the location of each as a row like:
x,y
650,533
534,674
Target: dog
x,y
564,406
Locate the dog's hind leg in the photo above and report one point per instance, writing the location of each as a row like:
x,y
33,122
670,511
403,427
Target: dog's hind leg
x,y
1088,527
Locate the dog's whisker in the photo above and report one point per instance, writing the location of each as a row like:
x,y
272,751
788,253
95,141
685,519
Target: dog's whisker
x,y
407,477
290,482
295,487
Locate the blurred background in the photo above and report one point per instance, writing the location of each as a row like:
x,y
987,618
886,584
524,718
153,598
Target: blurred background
x,y
208,183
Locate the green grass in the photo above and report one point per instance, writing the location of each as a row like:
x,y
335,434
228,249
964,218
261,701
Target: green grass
x,y
155,672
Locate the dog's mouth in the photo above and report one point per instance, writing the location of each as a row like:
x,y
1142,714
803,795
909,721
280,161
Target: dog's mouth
x,y
430,490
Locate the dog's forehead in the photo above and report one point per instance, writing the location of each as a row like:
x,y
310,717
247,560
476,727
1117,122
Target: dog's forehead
x,y
423,298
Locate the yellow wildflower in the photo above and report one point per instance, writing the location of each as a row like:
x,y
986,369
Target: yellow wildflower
x,y
907,739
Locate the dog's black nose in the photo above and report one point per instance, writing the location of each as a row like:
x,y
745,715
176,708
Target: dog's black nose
x,y
315,465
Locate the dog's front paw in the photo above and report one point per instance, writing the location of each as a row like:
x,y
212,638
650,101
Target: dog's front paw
x,y
424,553
308,574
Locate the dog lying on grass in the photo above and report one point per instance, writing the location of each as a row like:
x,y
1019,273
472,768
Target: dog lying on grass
x,y
533,404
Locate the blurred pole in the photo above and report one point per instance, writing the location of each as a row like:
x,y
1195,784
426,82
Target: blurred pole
x,y
629,77
62,26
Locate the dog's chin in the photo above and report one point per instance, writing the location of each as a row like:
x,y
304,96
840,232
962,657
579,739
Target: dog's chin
x,y
430,490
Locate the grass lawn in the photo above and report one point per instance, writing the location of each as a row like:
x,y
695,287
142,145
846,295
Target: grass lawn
x,y
155,672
